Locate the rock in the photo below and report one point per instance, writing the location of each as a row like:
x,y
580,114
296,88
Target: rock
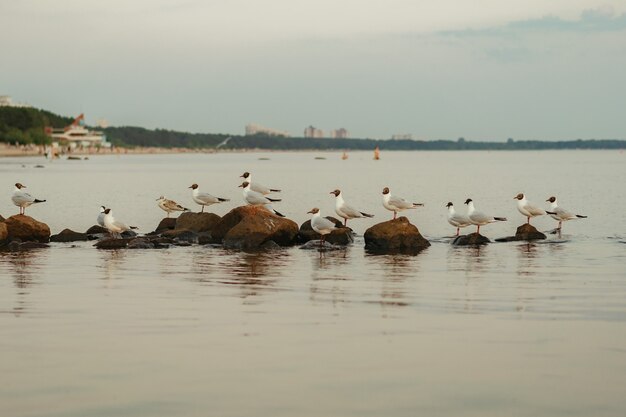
x,y
140,243
197,222
112,243
248,227
270,245
129,233
397,235
96,230
16,245
473,239
168,223
315,245
524,232
341,236
2,219
26,228
4,234
68,235
181,235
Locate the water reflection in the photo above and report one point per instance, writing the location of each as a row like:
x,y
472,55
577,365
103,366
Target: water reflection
x,y
473,260
526,255
24,266
329,280
112,264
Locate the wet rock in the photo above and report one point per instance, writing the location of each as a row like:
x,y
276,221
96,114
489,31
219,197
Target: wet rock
x,y
197,222
473,239
524,232
140,243
397,235
68,235
96,230
341,236
4,234
17,245
112,243
26,228
270,245
205,238
168,223
315,245
181,235
129,233
248,227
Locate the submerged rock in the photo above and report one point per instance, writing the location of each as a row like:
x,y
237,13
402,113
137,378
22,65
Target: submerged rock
x,y
197,222
25,228
248,227
473,239
68,235
340,236
397,235
524,232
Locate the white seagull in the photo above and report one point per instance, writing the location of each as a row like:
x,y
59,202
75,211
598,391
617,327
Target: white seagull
x,y
560,214
255,198
456,219
113,226
255,186
527,209
396,204
22,199
480,219
345,211
204,199
100,218
170,205
321,225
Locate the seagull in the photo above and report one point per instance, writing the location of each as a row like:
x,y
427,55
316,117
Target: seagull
x,y
456,219
560,214
22,199
478,218
113,226
321,225
527,209
255,198
204,199
396,204
345,211
101,216
170,205
255,186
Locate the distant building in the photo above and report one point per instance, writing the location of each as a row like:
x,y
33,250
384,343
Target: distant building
x,y
340,133
6,101
254,129
402,136
313,132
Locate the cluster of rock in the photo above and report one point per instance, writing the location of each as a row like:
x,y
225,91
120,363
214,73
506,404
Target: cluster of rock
x,y
21,232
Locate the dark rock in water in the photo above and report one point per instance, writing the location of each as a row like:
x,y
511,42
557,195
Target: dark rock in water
x,y
95,230
524,232
168,223
140,243
248,227
204,238
68,235
181,235
74,158
473,239
397,235
197,222
16,245
315,245
341,236
26,228
112,243
129,233
4,233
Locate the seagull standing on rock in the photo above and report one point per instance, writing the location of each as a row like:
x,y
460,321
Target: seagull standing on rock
x,y
170,205
527,209
22,199
255,186
321,225
396,204
560,214
204,199
478,218
255,198
456,219
345,211
113,226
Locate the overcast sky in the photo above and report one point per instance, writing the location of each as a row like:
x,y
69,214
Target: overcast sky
x,y
438,69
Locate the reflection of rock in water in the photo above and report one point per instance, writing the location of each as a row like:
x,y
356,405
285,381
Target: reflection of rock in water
x,y
24,267
329,280
112,263
527,253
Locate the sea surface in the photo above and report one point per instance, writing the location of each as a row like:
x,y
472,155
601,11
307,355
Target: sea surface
x,y
507,329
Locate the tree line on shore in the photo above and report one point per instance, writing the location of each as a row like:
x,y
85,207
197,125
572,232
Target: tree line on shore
x,y
26,126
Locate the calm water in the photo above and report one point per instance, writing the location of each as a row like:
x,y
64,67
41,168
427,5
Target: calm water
x,y
508,329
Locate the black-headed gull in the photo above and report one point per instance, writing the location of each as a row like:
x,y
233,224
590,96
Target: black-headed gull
x,y
204,199
456,219
321,225
344,211
255,186
560,214
526,208
113,226
22,199
169,206
100,218
480,219
255,198
396,204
